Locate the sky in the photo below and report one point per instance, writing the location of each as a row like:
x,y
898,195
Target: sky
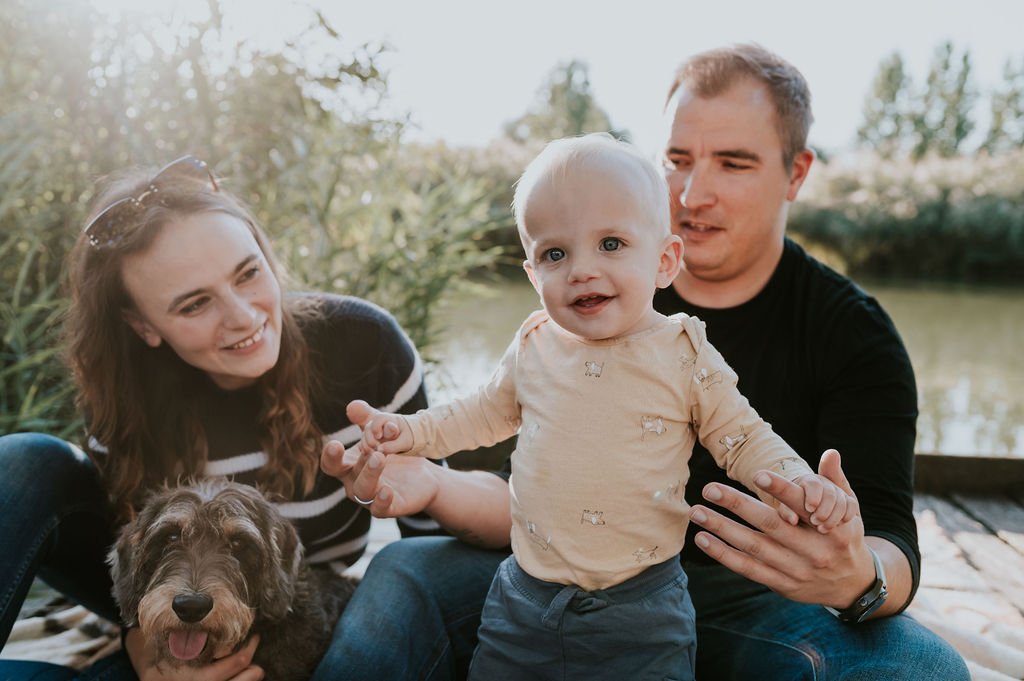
x,y
462,68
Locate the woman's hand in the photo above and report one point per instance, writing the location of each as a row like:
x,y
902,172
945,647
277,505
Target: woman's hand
x,y
397,485
235,667
471,505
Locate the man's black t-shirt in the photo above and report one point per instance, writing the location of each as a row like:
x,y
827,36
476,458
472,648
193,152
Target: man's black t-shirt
x,y
821,361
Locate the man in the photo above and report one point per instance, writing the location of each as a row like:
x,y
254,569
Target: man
x,y
821,361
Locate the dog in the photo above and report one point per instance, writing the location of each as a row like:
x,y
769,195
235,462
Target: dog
x,y
203,567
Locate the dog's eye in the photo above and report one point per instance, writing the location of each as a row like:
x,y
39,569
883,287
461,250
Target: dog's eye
x,y
240,543
169,535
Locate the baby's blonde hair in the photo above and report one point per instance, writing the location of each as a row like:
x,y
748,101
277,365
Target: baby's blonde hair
x,y
564,156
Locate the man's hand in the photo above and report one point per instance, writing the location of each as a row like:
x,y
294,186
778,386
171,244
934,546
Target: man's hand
x,y
235,667
794,560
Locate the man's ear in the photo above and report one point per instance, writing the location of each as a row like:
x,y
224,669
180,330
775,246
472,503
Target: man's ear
x,y
801,167
670,261
533,277
143,328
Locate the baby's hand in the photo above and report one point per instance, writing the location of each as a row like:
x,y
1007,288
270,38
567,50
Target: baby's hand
x,y
827,503
382,432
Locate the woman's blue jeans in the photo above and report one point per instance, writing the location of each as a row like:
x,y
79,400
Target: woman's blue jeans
x,y
55,523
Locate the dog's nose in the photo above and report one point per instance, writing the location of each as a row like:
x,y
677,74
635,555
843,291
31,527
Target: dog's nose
x,y
192,608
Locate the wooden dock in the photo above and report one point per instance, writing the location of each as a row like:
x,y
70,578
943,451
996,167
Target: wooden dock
x,y
970,520
970,517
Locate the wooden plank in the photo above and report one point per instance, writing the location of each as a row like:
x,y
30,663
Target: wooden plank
x,y
1001,514
973,611
943,565
941,474
999,565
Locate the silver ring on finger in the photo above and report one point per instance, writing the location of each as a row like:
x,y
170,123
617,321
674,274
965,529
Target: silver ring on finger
x,y
364,502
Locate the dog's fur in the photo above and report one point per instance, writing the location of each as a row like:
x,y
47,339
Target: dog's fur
x,y
219,555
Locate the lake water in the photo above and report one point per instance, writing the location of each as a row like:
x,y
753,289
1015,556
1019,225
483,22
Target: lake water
x,y
966,344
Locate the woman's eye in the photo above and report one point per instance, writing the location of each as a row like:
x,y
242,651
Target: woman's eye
x,y
611,243
194,306
249,274
554,254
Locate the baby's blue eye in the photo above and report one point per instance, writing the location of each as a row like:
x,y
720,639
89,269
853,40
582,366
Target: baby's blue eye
x,y
554,254
611,243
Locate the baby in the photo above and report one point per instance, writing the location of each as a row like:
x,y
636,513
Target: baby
x,y
608,397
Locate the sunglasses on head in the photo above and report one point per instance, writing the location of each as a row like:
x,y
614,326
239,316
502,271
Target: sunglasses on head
x,y
116,220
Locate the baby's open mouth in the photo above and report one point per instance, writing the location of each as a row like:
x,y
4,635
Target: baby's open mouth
x,y
590,301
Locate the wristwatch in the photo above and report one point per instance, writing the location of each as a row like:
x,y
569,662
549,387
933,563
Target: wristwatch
x,y
870,601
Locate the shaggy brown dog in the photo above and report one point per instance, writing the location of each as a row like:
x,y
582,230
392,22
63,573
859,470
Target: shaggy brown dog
x,y
203,567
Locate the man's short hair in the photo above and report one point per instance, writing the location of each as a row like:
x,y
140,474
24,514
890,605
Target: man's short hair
x,y
596,151
709,74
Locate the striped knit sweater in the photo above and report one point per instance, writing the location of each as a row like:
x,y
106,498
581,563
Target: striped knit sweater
x,y
358,351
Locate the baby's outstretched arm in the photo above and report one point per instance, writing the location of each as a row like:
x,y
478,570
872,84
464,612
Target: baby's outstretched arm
x,y
382,432
828,505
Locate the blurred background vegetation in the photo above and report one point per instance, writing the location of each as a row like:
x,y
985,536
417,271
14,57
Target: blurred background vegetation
x,y
353,207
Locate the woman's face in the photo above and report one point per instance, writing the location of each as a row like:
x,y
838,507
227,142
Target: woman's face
x,y
205,288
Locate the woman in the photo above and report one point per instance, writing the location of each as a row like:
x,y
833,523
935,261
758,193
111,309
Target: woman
x,y
190,360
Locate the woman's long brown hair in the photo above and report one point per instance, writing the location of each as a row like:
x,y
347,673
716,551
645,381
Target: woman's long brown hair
x,y
139,401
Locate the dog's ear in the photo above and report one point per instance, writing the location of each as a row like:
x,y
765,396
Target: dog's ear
x,y
123,571
125,560
285,562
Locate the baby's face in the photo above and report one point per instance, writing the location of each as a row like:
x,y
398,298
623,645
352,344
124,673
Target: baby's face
x,y
593,255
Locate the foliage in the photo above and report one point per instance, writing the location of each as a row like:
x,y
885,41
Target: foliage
x,y
960,218
565,107
942,121
886,123
294,131
903,120
1007,107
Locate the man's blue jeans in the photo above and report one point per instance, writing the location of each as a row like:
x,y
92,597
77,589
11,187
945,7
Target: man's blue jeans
x,y
745,631
418,621
415,614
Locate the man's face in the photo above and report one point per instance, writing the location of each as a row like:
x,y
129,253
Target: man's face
x,y
728,189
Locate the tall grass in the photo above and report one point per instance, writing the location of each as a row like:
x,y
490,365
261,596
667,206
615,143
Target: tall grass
x,y
300,139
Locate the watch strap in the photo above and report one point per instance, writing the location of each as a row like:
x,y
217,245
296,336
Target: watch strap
x,y
870,600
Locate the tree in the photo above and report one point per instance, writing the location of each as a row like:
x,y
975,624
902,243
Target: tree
x,y
886,110
1006,131
942,121
565,107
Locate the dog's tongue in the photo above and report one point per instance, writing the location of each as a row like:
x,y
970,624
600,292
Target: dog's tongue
x,y
186,644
